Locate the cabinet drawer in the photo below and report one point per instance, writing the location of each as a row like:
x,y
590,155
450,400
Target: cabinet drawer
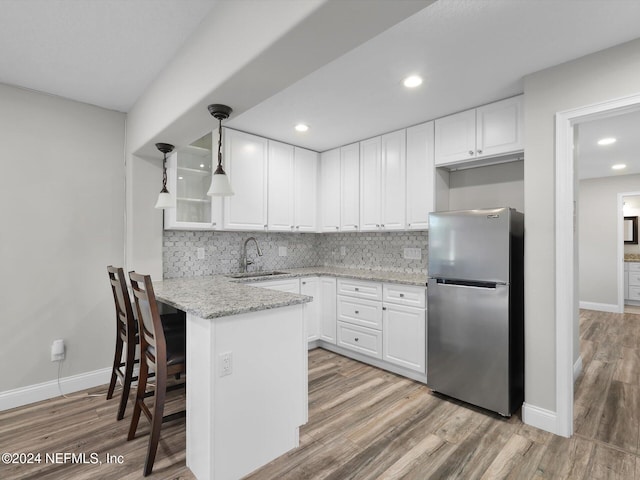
x,y
360,339
358,311
360,289
634,279
634,266
634,293
404,295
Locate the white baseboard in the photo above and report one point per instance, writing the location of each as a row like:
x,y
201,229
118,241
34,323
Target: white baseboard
x,y
43,391
600,307
577,369
539,418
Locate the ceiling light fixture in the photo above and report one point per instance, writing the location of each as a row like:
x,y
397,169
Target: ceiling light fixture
x,y
220,186
606,141
301,127
618,166
412,81
165,199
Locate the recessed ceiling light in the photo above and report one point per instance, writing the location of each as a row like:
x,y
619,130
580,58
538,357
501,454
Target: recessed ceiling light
x,y
412,81
301,127
180,178
202,165
618,166
606,141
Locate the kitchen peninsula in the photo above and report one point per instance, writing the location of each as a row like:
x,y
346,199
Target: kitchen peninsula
x,y
246,373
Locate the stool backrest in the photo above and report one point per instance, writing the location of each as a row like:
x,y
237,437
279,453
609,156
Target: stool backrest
x,y
152,341
125,320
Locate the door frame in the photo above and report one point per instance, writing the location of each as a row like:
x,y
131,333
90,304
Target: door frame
x,y
620,251
565,225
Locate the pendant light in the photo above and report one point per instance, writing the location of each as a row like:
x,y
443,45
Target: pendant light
x,y
165,199
220,186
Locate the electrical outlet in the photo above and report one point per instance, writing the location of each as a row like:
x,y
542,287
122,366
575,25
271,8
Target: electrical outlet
x,y
226,363
282,251
343,251
57,351
412,253
200,252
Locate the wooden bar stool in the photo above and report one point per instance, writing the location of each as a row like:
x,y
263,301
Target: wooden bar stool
x,y
164,354
126,338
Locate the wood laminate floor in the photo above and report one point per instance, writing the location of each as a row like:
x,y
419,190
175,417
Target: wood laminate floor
x,y
365,423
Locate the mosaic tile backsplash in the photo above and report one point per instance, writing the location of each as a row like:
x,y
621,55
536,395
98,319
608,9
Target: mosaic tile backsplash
x,y
374,251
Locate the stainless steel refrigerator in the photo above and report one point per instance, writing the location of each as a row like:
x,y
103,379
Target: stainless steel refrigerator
x,y
475,307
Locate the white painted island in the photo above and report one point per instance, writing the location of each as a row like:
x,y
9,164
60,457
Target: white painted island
x,y
246,373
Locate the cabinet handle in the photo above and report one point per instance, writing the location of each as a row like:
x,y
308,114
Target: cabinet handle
x,y
304,283
265,227
470,152
337,227
402,295
479,152
213,224
357,312
357,289
382,225
384,308
297,227
356,339
378,225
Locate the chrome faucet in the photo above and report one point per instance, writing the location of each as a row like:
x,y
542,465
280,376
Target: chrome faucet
x,y
244,262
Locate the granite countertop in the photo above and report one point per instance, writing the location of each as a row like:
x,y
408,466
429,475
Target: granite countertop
x,y
632,257
223,296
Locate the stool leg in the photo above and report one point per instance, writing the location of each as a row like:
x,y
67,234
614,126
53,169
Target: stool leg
x,y
128,374
142,386
156,420
117,359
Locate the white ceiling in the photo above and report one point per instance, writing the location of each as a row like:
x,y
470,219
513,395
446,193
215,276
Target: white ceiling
x,y
102,52
595,161
470,52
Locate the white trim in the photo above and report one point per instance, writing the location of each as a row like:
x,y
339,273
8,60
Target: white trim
x,y
43,391
577,369
564,255
600,307
539,417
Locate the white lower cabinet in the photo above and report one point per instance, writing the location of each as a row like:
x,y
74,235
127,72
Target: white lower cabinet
x,y
328,309
404,333
312,311
361,339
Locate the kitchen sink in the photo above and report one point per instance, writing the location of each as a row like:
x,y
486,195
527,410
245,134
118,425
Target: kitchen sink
x,y
256,274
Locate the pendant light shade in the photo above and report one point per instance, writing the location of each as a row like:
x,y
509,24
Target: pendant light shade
x,y
165,199
220,186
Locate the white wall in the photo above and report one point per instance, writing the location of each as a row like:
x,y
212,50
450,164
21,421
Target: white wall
x,y
62,224
612,73
487,187
598,240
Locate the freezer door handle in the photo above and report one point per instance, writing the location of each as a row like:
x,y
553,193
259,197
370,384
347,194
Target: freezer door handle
x,y
467,283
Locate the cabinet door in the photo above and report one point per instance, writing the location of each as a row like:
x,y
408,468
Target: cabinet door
x,y
305,185
404,337
245,162
420,176
393,181
312,311
330,191
280,182
350,187
328,309
189,179
370,159
455,138
499,127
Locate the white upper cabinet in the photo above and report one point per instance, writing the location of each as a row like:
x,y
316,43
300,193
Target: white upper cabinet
x,y
393,181
280,187
350,187
305,183
370,166
188,179
488,131
420,176
330,191
245,162
383,182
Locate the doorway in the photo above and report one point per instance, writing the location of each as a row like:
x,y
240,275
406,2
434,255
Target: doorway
x,y
567,301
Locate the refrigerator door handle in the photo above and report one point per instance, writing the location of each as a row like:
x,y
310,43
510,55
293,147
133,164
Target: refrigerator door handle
x,y
467,283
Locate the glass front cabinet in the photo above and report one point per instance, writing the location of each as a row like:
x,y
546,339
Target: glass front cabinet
x,y
189,172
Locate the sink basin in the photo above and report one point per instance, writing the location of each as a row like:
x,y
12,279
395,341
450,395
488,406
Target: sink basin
x,y
255,274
